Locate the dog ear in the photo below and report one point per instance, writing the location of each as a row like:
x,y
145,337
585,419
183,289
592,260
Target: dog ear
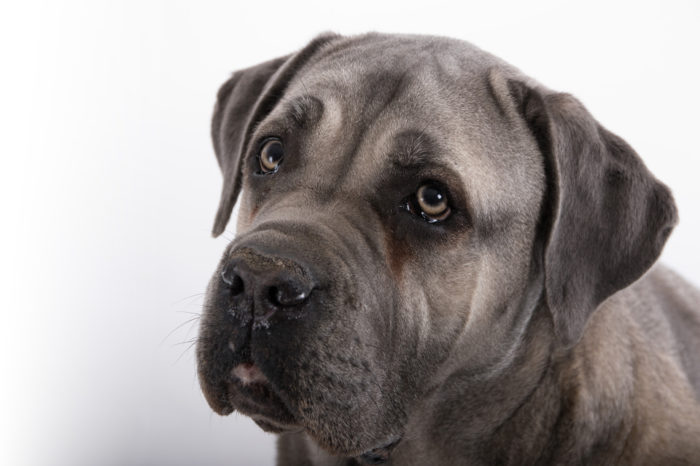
x,y
605,215
242,102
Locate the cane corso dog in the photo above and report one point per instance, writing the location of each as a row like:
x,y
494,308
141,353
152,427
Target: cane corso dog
x,y
440,261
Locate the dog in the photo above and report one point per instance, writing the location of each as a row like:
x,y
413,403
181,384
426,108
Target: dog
x,y
440,261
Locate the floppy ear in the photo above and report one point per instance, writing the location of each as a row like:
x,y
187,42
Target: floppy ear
x,y
606,216
243,101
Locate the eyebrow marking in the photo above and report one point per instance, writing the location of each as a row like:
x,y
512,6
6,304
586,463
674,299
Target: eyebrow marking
x,y
413,148
304,111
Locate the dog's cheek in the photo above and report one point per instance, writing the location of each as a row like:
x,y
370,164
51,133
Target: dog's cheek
x,y
437,293
348,407
449,282
343,384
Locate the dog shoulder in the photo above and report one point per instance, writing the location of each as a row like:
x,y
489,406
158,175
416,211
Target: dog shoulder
x,y
667,309
639,361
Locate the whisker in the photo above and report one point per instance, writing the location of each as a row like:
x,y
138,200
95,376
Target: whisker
x,y
191,340
196,295
193,319
186,350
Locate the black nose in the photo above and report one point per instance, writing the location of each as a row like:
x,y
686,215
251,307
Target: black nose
x,y
262,285
287,292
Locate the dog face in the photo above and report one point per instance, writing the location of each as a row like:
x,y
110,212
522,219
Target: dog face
x,y
406,204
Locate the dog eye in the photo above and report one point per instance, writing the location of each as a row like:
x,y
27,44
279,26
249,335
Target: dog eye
x,y
431,200
271,155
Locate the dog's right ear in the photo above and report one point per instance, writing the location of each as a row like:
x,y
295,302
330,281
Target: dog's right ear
x,y
243,101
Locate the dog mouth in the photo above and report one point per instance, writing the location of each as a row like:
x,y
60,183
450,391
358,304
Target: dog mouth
x,y
250,392
284,396
253,395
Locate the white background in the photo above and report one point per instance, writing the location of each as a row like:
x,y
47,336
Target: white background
x,y
108,188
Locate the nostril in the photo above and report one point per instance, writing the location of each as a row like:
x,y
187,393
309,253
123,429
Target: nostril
x,y
237,285
286,296
233,280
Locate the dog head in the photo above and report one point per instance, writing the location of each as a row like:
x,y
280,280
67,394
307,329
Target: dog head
x,y
407,202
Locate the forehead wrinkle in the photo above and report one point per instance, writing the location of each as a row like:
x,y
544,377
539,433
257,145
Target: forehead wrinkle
x,y
304,111
414,149
364,109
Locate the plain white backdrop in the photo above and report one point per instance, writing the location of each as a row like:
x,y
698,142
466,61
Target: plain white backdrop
x,y
108,188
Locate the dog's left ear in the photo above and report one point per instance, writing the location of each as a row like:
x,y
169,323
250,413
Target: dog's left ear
x,y
242,102
605,215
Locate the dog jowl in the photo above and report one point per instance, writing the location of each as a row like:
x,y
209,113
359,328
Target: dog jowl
x,y
440,261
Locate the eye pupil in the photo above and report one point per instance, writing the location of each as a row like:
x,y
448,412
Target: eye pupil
x,y
432,201
432,196
271,155
274,153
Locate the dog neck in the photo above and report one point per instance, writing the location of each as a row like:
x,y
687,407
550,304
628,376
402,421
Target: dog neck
x,y
587,404
544,405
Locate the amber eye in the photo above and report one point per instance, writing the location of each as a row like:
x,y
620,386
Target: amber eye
x,y
271,155
432,202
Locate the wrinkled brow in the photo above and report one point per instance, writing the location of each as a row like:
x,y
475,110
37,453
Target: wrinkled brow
x,y
304,111
414,149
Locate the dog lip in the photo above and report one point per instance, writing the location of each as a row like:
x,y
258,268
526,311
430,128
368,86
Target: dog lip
x,y
248,373
273,426
252,394
380,454
218,399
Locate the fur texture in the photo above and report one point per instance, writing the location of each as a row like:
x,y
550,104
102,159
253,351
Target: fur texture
x,y
528,327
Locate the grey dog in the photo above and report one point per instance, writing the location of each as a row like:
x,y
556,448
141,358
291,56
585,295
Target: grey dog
x,y
439,261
